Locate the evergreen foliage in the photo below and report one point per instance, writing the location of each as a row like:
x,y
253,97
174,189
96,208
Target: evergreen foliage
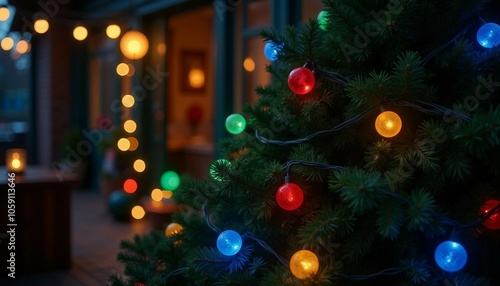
x,y
374,208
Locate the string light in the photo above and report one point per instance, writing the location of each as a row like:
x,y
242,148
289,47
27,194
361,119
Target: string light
x,y
128,100
138,212
134,143
173,229
249,64
4,14
323,20
22,47
289,196
139,165
170,180
450,256
229,242
123,144
388,124
304,264
488,35
122,69
41,26
134,45
7,43
235,123
113,31
301,80
130,186
130,126
493,221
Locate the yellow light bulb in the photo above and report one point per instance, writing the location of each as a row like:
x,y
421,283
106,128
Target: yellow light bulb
x,y
303,264
196,78
41,26
388,124
134,45
173,229
138,212
134,143
156,195
139,165
167,194
80,33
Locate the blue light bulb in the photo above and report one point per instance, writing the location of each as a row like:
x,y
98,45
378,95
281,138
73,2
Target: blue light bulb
x,y
450,256
271,50
229,242
488,35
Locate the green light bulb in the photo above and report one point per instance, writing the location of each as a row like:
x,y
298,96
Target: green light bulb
x,y
323,20
170,180
235,123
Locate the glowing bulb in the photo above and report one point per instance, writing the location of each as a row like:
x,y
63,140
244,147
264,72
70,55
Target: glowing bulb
x,y
80,33
156,195
167,194
7,43
493,221
488,35
130,126
122,69
138,212
450,256
22,47
41,26
134,45
113,31
301,80
323,20
388,124
123,144
139,165
229,242
303,264
289,196
196,78
128,100
170,180
130,186
249,64
134,143
173,229
235,123
4,13
16,163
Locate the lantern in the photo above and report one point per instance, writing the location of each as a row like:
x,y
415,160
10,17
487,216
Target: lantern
x,y
15,160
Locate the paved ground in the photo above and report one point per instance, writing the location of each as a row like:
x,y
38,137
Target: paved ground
x,y
95,243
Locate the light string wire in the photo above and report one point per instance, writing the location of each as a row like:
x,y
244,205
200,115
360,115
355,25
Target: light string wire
x,y
422,106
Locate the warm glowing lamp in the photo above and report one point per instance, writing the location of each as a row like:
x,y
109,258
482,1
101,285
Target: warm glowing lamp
x,y
173,229
130,186
134,45
157,195
303,264
196,78
22,47
128,100
122,69
15,160
388,124
249,64
130,126
138,212
139,165
80,33
41,26
123,144
113,31
7,43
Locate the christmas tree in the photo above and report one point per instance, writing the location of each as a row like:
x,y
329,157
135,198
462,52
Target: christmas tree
x,y
372,158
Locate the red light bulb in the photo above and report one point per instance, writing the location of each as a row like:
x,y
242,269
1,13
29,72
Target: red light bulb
x,y
301,80
289,196
493,222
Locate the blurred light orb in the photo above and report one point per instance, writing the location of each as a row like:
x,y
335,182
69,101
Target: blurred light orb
x,y
138,212
113,31
41,26
170,180
80,33
134,45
